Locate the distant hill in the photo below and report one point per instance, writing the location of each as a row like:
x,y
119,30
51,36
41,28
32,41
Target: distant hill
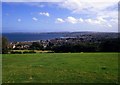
x,y
51,35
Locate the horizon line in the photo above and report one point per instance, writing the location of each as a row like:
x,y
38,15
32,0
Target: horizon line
x,y
65,32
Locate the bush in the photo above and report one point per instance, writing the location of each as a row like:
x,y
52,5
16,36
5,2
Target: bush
x,y
25,52
50,52
16,52
4,45
32,52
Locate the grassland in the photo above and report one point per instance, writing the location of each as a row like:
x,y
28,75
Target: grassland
x,y
36,51
60,68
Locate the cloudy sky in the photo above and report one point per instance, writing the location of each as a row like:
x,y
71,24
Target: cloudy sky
x,y
61,16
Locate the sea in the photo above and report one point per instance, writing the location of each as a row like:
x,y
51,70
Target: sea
x,y
18,37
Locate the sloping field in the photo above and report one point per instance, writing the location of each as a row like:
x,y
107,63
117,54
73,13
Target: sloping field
x,y
60,68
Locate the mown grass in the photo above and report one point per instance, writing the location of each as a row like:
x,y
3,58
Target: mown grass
x,y
60,68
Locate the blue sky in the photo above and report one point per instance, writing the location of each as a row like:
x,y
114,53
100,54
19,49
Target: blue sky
x,y
59,16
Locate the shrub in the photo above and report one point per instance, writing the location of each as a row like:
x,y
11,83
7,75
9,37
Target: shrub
x,y
32,52
28,52
50,52
16,52
25,52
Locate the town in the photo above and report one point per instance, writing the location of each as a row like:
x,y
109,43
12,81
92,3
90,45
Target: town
x,y
74,42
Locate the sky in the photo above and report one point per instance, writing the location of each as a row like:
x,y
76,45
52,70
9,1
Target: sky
x,y
62,16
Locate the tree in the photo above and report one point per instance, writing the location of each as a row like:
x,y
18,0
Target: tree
x,y
110,45
0,44
36,46
4,45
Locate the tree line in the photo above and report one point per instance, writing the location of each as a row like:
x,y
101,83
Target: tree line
x,y
104,45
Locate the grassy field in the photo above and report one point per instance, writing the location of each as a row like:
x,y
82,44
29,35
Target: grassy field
x,y
60,68
37,51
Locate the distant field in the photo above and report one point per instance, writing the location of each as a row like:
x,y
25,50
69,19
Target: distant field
x,y
60,68
37,51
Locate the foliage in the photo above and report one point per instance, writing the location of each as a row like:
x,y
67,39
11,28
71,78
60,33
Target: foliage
x,y
110,45
16,52
4,45
36,46
28,52
105,45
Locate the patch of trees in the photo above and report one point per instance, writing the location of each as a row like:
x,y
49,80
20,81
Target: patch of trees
x,y
36,46
106,45
4,45
110,45
83,47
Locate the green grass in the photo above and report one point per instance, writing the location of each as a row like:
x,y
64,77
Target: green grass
x,y
60,68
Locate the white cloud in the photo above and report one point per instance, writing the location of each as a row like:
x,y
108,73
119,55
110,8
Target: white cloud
x,y
35,19
19,20
89,21
109,25
72,20
45,14
99,21
114,21
93,5
81,20
59,20
96,21
96,11
69,19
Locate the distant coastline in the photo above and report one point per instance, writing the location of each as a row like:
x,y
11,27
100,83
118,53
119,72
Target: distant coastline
x,y
60,32
17,37
27,36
